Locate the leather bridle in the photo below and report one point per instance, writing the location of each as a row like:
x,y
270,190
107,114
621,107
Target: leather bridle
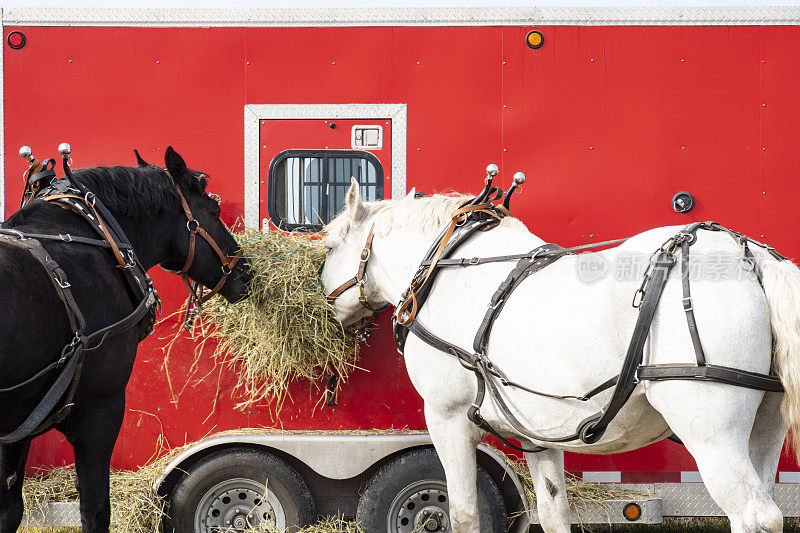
x,y
197,295
364,329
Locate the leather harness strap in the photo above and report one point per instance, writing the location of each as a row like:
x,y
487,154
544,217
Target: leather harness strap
x,y
405,315
59,199
67,193
364,328
358,279
647,298
197,297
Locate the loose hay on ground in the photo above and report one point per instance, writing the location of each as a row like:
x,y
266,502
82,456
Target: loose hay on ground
x,y
285,330
136,507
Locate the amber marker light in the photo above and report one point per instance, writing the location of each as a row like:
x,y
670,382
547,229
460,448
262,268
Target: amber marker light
x,y
632,512
534,39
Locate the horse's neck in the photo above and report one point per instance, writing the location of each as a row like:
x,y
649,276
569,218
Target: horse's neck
x,y
149,238
400,253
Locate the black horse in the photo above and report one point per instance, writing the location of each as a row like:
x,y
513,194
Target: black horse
x,y
146,202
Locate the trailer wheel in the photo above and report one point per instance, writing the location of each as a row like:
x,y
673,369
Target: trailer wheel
x,y
235,490
409,494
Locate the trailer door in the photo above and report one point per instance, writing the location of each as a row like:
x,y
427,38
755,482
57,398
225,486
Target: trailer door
x,y
305,168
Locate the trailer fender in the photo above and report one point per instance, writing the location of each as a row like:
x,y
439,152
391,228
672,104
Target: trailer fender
x,y
332,455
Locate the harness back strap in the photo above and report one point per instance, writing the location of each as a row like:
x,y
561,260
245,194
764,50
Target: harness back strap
x,y
59,199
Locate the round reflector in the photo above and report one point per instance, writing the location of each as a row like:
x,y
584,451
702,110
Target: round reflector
x,y
632,512
16,40
534,39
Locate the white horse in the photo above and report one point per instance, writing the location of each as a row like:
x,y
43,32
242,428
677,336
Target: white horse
x,y
563,334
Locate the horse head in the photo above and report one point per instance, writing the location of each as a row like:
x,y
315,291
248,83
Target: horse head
x,y
202,248
348,249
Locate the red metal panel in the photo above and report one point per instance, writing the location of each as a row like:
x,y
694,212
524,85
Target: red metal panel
x,y
608,123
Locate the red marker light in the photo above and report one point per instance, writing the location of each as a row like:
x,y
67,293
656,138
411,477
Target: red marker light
x,y
16,40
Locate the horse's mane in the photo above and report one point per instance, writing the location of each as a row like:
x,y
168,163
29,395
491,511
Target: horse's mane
x,y
136,192
426,215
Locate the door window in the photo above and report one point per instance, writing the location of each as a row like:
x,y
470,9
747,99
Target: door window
x,y
307,187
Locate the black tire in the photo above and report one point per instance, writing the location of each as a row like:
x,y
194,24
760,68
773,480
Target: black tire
x,y
239,476
407,480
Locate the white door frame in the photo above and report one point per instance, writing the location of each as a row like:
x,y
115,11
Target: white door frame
x,y
254,114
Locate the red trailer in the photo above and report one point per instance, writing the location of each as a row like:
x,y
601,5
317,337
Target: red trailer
x,y
609,112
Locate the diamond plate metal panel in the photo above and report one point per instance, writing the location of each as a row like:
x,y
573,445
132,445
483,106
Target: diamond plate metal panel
x,y
610,512
692,499
54,515
446,16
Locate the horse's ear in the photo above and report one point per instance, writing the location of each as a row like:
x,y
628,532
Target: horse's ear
x,y
139,161
175,163
354,202
411,194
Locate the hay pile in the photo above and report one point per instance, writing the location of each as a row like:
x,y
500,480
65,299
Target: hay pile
x,y
286,329
136,508
328,524
579,492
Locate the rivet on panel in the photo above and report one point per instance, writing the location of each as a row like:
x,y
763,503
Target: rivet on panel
x,y
157,61
419,62
333,62
505,149
504,62
591,60
764,148
418,149
505,106
763,105
248,62
763,61
764,192
591,148
683,148
683,61
70,61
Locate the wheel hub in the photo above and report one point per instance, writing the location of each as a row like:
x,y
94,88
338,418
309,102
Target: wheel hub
x,y
237,508
421,507
431,518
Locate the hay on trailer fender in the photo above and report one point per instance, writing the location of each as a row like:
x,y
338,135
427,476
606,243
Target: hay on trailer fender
x,y
285,330
137,508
